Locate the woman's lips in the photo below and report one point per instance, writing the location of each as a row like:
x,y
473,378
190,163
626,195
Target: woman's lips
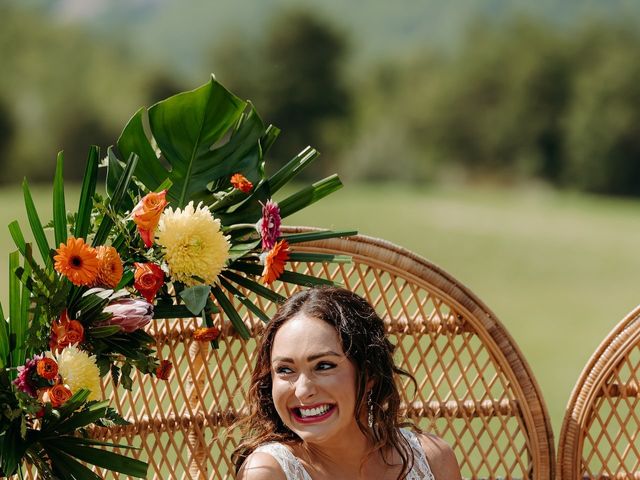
x,y
295,412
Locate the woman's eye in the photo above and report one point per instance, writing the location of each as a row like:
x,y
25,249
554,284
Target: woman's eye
x,y
283,370
325,366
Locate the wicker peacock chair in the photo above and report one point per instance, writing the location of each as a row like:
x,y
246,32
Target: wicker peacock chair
x,y
600,437
475,388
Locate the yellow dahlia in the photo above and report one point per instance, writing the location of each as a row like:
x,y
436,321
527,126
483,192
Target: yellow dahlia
x,y
193,244
79,370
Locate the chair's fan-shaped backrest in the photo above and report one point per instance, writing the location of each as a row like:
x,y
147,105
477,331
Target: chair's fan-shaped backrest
x,y
474,387
600,437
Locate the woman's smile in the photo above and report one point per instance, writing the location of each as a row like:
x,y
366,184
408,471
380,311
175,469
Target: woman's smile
x,y
313,381
313,414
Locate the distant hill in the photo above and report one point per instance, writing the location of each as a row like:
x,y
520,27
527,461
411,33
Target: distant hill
x,y
181,34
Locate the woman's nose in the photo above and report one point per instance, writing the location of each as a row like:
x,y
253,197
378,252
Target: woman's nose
x,y
304,387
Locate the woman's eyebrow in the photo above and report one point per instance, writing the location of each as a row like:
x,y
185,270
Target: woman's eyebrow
x,y
310,358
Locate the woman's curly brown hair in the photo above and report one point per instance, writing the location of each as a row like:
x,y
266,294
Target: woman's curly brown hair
x,y
362,335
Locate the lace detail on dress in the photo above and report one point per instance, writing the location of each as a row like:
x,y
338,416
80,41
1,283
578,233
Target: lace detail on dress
x,y
421,469
294,470
291,466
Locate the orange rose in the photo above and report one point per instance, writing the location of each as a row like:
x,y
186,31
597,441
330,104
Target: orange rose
x,y
65,332
74,333
164,370
206,334
57,395
148,279
146,215
47,368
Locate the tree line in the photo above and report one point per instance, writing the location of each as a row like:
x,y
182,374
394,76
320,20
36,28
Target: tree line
x,y
516,99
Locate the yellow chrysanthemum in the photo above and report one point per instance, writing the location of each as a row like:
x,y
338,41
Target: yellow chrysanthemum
x,y
79,370
193,244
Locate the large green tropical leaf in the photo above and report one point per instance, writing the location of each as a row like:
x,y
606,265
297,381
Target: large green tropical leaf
x,y
203,136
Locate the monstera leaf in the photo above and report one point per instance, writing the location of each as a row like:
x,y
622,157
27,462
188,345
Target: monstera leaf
x,y
196,140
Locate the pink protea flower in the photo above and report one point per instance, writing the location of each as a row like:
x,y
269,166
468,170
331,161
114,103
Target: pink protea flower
x,y
269,225
25,382
129,314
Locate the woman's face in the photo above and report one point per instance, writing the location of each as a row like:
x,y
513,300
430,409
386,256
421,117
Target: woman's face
x,y
313,381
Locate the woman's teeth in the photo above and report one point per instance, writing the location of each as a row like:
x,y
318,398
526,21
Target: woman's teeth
x,y
313,412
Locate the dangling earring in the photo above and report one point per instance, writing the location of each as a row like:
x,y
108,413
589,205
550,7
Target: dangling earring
x,y
370,410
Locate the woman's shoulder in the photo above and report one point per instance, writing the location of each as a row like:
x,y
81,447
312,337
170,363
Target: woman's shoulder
x,y
261,465
440,456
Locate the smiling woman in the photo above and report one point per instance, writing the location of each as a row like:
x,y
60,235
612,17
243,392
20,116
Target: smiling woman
x,y
324,401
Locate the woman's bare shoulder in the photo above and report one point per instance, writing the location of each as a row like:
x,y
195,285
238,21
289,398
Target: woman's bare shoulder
x,y
441,458
260,466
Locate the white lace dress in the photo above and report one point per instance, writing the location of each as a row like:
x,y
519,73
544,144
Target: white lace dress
x,y
293,469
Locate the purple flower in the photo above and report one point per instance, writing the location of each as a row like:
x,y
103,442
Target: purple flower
x,y
25,382
129,314
269,225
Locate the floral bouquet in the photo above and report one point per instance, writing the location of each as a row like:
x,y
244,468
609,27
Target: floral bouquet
x,y
187,227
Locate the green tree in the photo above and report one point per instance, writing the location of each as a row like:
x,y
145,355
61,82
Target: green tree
x,y
7,130
69,90
295,76
603,122
304,86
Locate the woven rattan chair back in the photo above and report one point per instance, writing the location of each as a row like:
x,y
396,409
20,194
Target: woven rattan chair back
x,y
600,437
474,387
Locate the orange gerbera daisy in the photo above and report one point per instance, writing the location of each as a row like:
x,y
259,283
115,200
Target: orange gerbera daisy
x,y
274,262
77,261
109,267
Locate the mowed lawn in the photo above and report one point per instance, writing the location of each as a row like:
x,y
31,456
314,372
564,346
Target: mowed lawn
x,y
558,269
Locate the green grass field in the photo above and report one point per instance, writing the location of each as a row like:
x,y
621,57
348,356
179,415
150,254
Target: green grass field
x,y
559,270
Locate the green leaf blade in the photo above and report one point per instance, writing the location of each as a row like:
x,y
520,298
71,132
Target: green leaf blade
x,y
36,225
59,208
103,458
195,298
86,194
231,312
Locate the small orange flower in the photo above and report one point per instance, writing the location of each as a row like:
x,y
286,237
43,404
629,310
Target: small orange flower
x,y
148,279
164,369
274,262
109,267
57,395
205,334
65,332
77,261
146,215
47,368
240,182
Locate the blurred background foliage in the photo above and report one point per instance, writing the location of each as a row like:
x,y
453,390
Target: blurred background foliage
x,y
502,92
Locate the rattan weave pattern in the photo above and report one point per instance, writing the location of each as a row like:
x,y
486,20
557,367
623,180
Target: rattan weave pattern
x,y
474,386
600,437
